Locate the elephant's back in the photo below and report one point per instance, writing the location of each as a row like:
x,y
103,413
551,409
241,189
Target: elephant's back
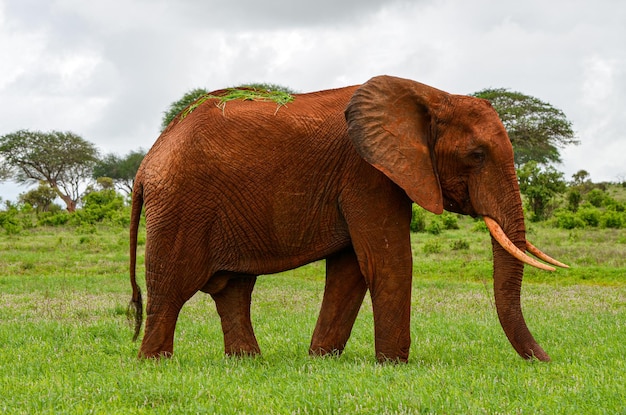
x,y
246,132
239,118
247,149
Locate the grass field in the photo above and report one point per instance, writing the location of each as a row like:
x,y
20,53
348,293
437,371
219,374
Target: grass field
x,y
66,346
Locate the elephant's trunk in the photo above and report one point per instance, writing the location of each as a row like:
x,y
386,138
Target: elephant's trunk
x,y
508,272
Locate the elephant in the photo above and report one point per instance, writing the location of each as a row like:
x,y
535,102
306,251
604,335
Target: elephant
x,y
234,191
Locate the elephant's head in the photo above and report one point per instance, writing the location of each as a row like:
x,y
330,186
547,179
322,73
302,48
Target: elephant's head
x,y
452,152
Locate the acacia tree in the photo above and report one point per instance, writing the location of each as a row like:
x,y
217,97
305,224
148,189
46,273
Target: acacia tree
x,y
5,171
63,160
537,129
121,169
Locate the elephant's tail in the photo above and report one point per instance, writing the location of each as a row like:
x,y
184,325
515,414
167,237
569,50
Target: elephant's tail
x,y
135,308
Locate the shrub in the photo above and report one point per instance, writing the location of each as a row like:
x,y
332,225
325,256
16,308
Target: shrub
x,y
612,219
480,226
432,247
596,197
418,219
459,245
566,219
435,227
614,205
540,186
573,199
41,198
449,220
9,221
590,215
98,206
53,218
438,224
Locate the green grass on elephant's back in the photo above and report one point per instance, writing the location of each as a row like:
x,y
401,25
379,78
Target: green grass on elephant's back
x,y
65,344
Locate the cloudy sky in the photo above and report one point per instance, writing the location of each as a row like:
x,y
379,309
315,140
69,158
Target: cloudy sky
x,y
107,70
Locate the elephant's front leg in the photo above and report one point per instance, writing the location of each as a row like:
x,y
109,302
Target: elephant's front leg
x,y
387,266
233,306
343,295
391,303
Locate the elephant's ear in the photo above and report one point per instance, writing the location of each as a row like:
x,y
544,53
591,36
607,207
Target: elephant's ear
x,y
390,122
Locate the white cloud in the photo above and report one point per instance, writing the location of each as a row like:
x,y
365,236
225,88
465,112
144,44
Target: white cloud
x,y
21,51
108,70
76,70
598,84
601,115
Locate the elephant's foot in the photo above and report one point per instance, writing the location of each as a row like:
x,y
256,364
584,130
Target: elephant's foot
x,y
343,295
395,351
154,355
242,349
156,350
158,339
239,340
325,351
393,358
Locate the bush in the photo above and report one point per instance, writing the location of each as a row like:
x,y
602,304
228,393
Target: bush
x,y
596,197
612,219
53,218
435,227
460,245
614,205
449,221
9,221
590,215
540,186
98,206
41,198
432,247
479,226
418,219
568,220
573,199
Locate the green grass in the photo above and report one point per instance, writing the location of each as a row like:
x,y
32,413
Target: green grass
x,y
243,93
65,345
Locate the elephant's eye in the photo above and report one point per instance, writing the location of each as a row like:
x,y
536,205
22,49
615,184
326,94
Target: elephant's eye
x,y
477,157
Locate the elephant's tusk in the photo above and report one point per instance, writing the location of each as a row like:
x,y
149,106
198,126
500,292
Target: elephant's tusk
x,y
504,241
544,257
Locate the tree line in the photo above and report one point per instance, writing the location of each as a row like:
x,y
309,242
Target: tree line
x,y
64,165
61,163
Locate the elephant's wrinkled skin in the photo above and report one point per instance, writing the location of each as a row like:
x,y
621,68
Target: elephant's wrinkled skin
x,y
231,193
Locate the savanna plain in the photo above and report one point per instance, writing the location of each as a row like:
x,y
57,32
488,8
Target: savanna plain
x,y
66,344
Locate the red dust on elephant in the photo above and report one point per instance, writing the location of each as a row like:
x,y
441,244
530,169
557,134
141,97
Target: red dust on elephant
x,y
244,189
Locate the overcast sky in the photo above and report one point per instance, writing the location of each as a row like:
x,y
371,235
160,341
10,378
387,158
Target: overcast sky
x,y
107,70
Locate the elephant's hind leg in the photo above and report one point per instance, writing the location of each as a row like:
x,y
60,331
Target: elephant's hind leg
x,y
162,312
343,295
233,306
